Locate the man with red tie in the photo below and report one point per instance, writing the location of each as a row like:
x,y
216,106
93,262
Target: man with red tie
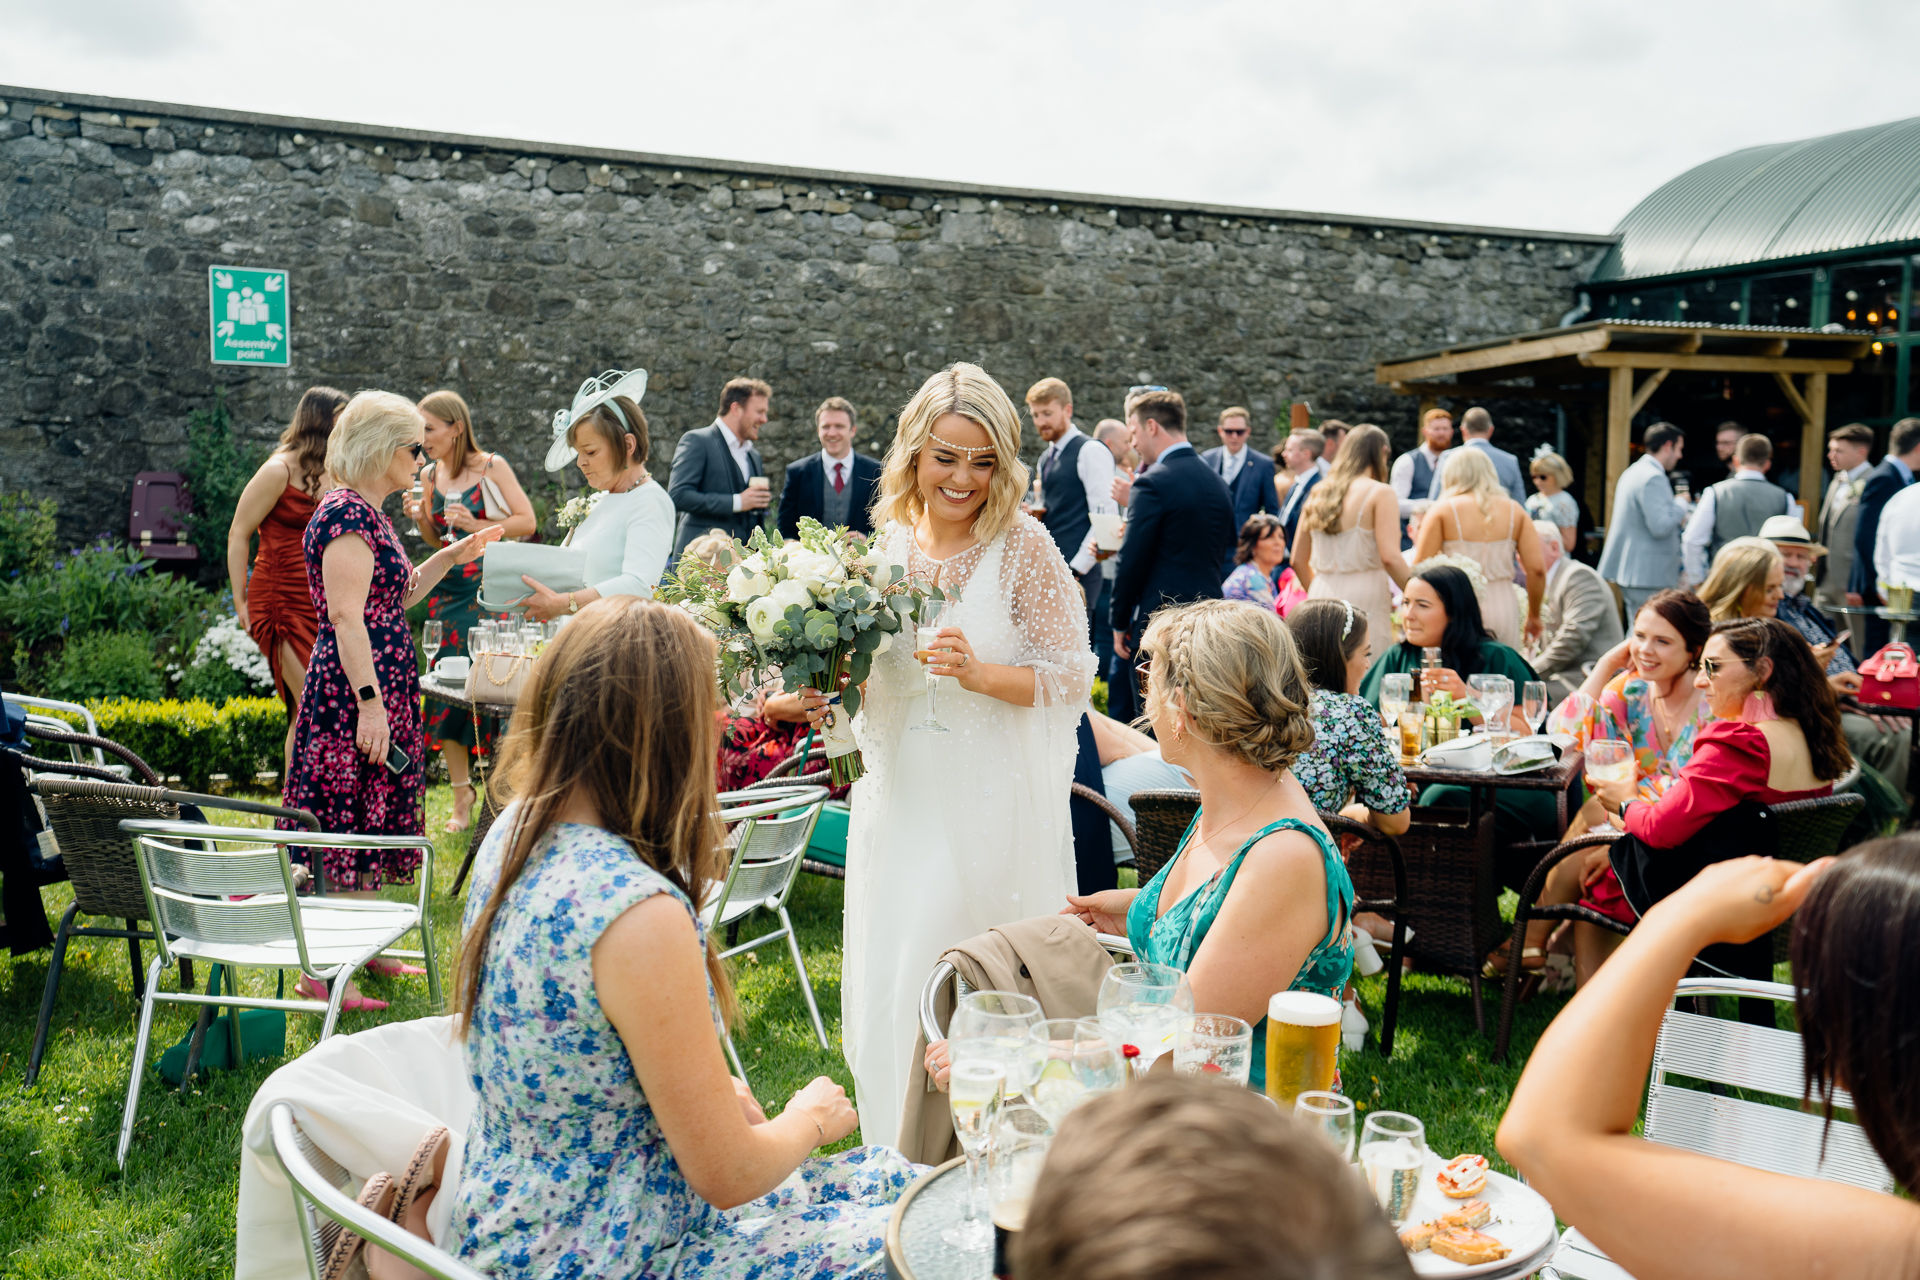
x,y
834,486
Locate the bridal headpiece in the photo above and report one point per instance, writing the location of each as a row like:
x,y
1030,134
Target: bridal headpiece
x,y
593,393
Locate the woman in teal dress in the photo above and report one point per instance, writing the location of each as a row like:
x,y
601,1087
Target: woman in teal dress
x,y
455,491
1257,900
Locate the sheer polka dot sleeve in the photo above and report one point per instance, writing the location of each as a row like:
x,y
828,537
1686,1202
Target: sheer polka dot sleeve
x,y
1050,614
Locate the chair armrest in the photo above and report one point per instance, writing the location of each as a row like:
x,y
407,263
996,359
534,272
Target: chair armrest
x,y
88,740
1106,806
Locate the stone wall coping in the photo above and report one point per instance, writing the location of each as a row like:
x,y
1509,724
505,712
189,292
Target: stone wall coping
x,y
223,115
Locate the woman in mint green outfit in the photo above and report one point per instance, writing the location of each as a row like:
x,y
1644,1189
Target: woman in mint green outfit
x,y
1257,900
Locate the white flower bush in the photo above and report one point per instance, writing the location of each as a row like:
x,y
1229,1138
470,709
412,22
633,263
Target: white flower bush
x,y
224,641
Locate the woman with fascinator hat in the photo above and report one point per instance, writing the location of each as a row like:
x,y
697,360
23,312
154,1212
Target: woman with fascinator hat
x,y
628,529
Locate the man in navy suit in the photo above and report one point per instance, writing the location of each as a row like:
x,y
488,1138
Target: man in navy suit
x,y
1894,473
834,486
1248,475
1179,522
714,465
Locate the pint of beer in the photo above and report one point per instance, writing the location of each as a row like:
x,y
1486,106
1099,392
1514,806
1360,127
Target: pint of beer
x,y
1303,1044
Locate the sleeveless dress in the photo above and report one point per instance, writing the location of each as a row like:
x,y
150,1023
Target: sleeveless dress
x,y
566,1171
1173,938
1499,603
954,833
455,602
279,601
1346,566
330,777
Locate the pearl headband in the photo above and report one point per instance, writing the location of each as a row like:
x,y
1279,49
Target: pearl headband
x,y
960,448
1346,628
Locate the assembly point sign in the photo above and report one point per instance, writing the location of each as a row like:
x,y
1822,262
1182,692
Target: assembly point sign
x,y
248,311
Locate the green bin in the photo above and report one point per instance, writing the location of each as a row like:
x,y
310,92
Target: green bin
x,y
829,843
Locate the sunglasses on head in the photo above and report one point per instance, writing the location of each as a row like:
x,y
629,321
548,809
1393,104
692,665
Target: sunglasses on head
x,y
1142,390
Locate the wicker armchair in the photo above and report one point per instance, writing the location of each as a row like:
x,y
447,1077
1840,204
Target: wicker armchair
x,y
1081,791
1160,819
1376,866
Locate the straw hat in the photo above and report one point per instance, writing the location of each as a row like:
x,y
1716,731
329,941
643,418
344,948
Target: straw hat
x,y
1785,531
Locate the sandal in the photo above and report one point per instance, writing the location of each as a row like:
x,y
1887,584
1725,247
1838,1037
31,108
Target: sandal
x,y
1498,972
308,989
388,967
415,1190
461,824
344,1248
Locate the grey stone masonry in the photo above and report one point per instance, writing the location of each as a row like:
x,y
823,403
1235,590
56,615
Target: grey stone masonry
x,y
509,271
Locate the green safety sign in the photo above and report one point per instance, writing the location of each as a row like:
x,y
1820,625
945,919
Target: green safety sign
x,y
248,310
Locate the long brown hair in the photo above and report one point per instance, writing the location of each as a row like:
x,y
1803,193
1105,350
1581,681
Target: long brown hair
x,y
448,406
619,713
1363,455
1798,686
306,436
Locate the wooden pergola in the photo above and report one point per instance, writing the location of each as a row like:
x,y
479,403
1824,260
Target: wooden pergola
x,y
1619,364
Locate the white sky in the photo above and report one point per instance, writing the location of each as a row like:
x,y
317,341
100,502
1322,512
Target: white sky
x,y
1517,113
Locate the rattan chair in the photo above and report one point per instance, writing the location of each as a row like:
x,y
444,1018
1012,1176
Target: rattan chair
x,y
1160,819
1081,791
321,1204
1379,873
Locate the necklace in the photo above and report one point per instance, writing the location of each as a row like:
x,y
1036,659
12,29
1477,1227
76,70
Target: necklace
x,y
1223,828
1662,719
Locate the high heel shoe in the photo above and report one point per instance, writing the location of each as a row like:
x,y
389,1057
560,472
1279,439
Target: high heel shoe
x,y
308,989
457,823
388,967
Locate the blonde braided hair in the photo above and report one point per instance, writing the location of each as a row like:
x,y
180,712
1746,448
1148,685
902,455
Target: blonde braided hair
x,y
1241,683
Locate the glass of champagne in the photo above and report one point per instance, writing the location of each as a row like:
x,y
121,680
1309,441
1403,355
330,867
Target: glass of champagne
x,y
932,616
432,633
1073,1059
1143,1005
1393,1151
1330,1115
1396,695
975,1089
1533,704
1214,1044
1303,1044
994,1025
1610,760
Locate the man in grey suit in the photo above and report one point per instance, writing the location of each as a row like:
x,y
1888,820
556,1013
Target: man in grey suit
x,y
714,467
1578,614
1848,451
1476,429
1642,554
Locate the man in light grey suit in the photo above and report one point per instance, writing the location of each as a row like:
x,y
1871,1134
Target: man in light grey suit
x,y
1578,614
1848,450
1476,428
714,466
1642,554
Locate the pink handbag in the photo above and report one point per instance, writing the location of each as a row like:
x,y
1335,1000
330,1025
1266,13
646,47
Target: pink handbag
x,y
1890,678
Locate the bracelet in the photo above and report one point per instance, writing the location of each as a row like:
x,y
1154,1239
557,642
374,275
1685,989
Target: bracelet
x,y
817,1125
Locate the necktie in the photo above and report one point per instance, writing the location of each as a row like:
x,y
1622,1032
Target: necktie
x,y
839,481
1046,464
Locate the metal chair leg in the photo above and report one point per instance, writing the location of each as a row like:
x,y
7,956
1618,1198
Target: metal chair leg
x,y
432,966
139,1063
54,971
806,987
1390,1014
201,1022
133,949
734,1054
1510,988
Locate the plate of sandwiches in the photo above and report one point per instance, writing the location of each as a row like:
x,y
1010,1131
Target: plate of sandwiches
x,y
1469,1219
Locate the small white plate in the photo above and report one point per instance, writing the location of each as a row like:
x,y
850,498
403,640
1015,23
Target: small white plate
x,y
1522,1220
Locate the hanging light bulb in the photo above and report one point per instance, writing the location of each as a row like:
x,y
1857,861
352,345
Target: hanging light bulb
x,y
1873,317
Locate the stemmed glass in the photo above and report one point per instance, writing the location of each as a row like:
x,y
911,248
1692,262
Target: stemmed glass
x,y
1020,1143
933,615
1393,1151
975,1089
1533,704
1396,694
993,1025
1214,1044
1329,1115
432,633
1143,1005
1494,694
1075,1058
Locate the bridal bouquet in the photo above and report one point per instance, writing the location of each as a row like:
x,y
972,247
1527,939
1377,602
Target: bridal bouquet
x,y
813,611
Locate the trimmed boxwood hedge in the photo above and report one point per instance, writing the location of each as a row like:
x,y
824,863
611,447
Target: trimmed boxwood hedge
x,y
194,740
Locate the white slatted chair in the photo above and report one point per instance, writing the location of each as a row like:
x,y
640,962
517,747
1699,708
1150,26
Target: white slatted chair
x,y
191,898
324,1208
1756,1134
774,826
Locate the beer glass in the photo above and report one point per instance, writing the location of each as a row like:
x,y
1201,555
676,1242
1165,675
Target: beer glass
x,y
1329,1115
1610,760
1303,1044
975,1090
994,1025
1214,1044
1393,1151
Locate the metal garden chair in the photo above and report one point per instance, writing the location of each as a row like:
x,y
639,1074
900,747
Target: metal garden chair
x,y
943,973
236,906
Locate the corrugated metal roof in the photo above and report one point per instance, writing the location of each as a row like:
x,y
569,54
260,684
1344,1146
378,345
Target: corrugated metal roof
x,y
1783,200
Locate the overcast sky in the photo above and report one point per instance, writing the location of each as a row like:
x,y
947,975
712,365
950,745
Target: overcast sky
x,y
1540,115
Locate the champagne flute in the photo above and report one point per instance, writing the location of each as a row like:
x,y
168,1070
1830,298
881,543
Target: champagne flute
x,y
932,616
1533,705
432,632
1396,695
975,1090
1393,1152
1143,1005
993,1025
1329,1115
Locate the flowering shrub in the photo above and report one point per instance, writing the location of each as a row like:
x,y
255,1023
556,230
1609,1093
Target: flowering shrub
x,y
98,588
225,664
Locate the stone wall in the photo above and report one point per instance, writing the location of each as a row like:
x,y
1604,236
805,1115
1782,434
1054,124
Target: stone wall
x,y
509,271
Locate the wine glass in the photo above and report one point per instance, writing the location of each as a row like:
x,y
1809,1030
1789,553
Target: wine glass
x,y
994,1025
1610,760
1073,1058
931,617
1533,704
1214,1044
1494,696
1329,1115
1393,1151
1020,1142
975,1089
432,633
1396,694
1143,1005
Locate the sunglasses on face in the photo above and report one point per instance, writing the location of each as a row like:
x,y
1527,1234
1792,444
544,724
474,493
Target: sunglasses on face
x,y
419,451
1233,431
1713,666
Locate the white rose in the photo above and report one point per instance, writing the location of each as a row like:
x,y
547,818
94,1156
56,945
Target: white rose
x,y
762,614
745,583
757,562
810,568
886,643
790,592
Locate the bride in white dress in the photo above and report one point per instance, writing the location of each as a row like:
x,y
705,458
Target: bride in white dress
x,y
954,833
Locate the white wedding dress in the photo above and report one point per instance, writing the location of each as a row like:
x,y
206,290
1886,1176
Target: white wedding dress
x,y
954,833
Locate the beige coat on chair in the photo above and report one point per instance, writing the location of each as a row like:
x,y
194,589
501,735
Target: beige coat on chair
x,y
1055,959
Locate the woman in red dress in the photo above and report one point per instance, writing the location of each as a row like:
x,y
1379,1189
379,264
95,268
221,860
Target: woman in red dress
x,y
274,605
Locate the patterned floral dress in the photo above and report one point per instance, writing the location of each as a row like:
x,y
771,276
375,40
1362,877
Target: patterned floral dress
x,y
330,777
566,1170
1350,758
455,603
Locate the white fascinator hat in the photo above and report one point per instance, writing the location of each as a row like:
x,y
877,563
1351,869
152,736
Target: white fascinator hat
x,y
593,393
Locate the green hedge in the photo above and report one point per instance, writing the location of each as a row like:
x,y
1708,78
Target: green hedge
x,y
194,740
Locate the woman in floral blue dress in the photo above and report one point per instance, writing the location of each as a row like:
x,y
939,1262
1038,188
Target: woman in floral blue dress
x,y
607,1137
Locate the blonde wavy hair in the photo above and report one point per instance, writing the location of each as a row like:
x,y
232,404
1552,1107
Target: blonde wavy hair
x,y
1741,566
965,389
1364,455
1240,679
1470,471
368,430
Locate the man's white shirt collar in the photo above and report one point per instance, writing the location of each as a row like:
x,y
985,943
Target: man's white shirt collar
x,y
828,461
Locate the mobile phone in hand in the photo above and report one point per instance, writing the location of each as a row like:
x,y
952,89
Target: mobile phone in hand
x,y
398,761
1842,638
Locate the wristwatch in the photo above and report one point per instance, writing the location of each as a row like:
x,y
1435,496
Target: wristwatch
x,y
367,693
573,606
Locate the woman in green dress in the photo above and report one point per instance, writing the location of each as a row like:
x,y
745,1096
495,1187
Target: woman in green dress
x,y
460,490
1257,899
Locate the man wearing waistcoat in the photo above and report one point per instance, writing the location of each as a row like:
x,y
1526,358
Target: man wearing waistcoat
x,y
1076,480
834,486
1734,508
1249,474
1413,471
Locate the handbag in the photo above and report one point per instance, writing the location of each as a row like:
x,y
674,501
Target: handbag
x,y
560,569
498,677
263,1034
1890,678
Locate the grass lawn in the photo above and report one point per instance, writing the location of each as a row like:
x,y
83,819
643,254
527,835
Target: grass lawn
x,y
67,1211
